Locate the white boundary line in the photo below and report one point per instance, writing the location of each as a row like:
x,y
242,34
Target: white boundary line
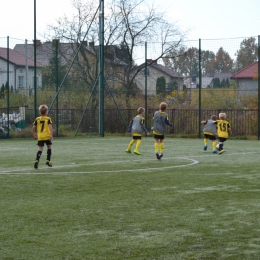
x,y
31,171
47,171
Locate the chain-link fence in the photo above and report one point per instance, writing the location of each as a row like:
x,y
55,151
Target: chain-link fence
x,y
195,78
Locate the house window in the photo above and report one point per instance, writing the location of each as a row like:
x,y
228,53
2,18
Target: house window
x,y
118,76
20,81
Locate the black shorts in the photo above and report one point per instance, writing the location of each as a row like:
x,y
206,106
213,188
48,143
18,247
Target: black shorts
x,y
41,143
222,140
210,137
158,136
137,137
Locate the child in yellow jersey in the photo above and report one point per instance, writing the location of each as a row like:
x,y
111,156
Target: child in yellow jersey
x,y
42,130
160,120
210,133
223,128
136,127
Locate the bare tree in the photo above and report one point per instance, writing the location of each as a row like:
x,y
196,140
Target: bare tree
x,y
128,24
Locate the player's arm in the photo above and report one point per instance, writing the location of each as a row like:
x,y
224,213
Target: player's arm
x,y
204,122
51,131
144,128
130,127
167,122
229,129
34,130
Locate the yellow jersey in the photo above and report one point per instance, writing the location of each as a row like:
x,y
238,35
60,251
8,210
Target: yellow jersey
x,y
42,127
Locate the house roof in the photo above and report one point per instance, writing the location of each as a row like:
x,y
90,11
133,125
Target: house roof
x,y
205,81
16,58
247,73
171,73
46,51
167,71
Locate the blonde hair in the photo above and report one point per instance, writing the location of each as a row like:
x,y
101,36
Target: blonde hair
x,y
140,110
222,116
43,109
163,106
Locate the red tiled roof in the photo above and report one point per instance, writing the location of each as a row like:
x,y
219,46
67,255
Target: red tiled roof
x,y
247,73
16,58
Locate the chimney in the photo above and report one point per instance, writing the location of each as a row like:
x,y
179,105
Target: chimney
x,y
91,45
149,61
37,42
55,41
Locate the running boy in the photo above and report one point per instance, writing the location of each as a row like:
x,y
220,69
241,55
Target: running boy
x,y
210,133
223,128
42,130
160,120
136,127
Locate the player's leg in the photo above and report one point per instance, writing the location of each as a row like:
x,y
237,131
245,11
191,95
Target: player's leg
x,y
161,148
48,160
138,144
38,154
128,149
205,142
156,148
221,145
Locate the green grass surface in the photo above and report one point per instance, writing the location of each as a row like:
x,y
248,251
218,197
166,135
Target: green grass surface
x,y
98,202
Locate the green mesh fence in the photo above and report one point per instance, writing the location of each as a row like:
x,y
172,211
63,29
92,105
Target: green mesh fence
x,y
228,83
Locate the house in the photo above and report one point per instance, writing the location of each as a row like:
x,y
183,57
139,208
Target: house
x,y
155,71
245,78
85,64
21,70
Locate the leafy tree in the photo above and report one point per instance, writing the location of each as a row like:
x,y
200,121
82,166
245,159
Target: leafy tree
x,y
185,61
172,86
222,62
216,83
247,54
160,85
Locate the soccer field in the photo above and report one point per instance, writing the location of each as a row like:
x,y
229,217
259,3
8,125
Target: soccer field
x,y
99,202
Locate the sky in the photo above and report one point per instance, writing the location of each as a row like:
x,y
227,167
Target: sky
x,y
204,19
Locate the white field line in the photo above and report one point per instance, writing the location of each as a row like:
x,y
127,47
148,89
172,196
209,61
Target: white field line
x,y
47,170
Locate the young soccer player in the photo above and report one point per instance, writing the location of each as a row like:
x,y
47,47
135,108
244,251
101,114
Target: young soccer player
x,y
42,130
160,120
223,128
136,127
210,133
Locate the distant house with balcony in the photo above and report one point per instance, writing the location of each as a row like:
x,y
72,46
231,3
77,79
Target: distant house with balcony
x,y
21,70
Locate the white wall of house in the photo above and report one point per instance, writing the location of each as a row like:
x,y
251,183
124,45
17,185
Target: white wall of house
x,y
247,84
18,78
151,80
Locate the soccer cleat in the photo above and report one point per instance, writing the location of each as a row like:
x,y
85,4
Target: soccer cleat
x,y
161,155
128,151
158,156
214,151
137,152
49,163
222,151
36,164
205,147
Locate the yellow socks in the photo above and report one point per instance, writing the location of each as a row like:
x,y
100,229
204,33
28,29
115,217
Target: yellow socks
x,y
161,148
138,145
131,144
156,147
